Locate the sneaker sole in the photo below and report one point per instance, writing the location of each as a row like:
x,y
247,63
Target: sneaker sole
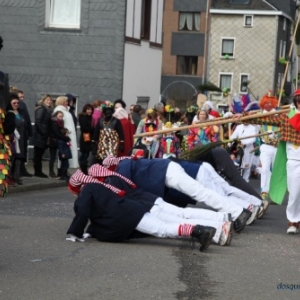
x,y
253,216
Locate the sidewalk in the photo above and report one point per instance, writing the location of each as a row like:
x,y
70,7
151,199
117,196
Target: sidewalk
x,y
37,183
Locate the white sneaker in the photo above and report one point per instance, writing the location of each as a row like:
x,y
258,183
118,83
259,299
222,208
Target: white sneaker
x,y
261,212
292,229
254,210
226,234
73,238
266,204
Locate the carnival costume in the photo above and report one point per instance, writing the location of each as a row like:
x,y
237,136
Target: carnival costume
x,y
108,134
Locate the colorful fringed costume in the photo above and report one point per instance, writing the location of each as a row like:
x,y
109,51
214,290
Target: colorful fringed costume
x,y
5,156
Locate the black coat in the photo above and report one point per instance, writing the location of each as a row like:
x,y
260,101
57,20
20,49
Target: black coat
x,y
85,123
24,111
55,133
42,126
113,218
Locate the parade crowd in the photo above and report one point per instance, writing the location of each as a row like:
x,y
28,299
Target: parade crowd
x,y
132,179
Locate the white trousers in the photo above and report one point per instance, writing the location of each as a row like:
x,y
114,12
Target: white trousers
x,y
247,162
167,226
172,214
208,177
267,157
176,178
293,182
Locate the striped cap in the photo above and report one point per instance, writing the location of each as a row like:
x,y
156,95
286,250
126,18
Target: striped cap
x,y
98,171
79,180
110,162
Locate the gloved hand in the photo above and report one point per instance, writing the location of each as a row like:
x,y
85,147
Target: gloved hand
x,y
121,147
228,114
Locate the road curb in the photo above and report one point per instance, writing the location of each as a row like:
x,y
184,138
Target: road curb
x,y
35,187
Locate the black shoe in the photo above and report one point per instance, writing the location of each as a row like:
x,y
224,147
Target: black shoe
x,y
26,174
65,178
240,223
40,174
204,234
53,175
18,181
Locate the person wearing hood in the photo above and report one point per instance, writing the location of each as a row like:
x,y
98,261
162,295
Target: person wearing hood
x,y
72,108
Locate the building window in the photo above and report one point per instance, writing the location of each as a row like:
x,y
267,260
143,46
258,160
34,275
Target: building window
x,y
239,1
283,49
143,101
279,80
284,24
189,21
146,19
225,81
244,78
248,21
187,65
63,14
227,47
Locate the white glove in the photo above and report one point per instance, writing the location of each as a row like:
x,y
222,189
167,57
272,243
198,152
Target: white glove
x,y
228,114
86,235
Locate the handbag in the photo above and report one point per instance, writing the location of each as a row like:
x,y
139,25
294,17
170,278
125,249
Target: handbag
x,y
86,137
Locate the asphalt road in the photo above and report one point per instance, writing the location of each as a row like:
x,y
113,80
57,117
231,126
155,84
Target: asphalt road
x,y
36,262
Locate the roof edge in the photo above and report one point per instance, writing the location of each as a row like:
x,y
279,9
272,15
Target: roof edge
x,y
249,12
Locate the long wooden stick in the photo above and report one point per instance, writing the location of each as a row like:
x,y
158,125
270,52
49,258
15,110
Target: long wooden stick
x,y
289,58
249,136
220,122
257,111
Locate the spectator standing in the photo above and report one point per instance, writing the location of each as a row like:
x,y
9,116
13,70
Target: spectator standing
x,y
64,154
128,129
135,115
108,135
86,135
61,104
72,108
204,135
97,113
151,123
57,123
17,138
41,133
28,130
119,103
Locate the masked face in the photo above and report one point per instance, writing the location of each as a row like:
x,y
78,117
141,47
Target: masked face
x,y
108,112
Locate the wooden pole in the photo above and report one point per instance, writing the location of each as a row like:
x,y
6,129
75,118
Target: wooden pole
x,y
289,58
253,111
249,136
220,122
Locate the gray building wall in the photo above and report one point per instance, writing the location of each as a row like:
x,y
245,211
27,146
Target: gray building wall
x,y
87,62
